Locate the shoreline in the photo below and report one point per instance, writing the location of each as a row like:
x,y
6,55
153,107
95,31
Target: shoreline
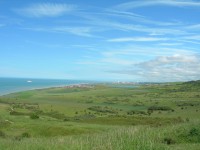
x,y
78,85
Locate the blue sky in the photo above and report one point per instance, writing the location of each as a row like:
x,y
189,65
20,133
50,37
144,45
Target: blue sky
x,y
118,40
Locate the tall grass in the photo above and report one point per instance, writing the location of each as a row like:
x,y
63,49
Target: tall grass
x,y
138,138
182,136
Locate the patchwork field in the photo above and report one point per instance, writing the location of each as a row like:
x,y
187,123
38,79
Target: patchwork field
x,y
103,116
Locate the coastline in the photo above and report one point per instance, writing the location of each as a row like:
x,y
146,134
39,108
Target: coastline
x,y
75,85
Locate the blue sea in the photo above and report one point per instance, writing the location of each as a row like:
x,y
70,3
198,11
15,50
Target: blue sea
x,y
11,85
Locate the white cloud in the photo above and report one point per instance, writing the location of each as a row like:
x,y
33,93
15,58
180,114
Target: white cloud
x,y
138,18
8,20
128,27
79,31
194,27
167,60
127,56
114,20
141,50
190,41
137,39
166,68
145,3
193,37
2,25
46,10
170,44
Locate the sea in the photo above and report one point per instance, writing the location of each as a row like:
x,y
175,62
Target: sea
x,y
12,85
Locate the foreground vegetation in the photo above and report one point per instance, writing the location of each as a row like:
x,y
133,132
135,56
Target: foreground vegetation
x,y
104,116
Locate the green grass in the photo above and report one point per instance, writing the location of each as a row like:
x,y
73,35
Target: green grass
x,y
120,138
162,116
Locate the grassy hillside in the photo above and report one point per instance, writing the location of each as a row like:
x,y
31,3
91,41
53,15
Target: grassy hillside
x,y
151,116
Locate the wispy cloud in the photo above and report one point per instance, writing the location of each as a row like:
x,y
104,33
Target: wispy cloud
x,y
145,3
166,68
193,42
170,44
137,39
2,25
111,24
135,50
138,18
194,27
127,57
46,10
193,37
79,31
7,20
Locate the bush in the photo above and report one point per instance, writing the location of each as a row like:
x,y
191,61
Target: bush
x,y
187,120
190,134
55,114
194,135
66,119
34,116
101,109
169,141
132,112
2,134
193,132
15,113
25,135
161,108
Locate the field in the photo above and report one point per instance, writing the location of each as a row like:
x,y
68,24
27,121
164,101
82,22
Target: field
x,y
103,117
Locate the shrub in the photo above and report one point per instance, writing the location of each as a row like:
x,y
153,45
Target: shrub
x,y
18,113
194,135
34,116
149,112
169,141
103,109
193,132
161,108
55,114
66,119
132,112
2,134
190,134
18,138
25,135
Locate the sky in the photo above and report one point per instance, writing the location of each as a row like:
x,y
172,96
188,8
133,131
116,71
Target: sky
x,y
116,40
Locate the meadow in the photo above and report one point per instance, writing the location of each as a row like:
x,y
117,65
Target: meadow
x,y
103,116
